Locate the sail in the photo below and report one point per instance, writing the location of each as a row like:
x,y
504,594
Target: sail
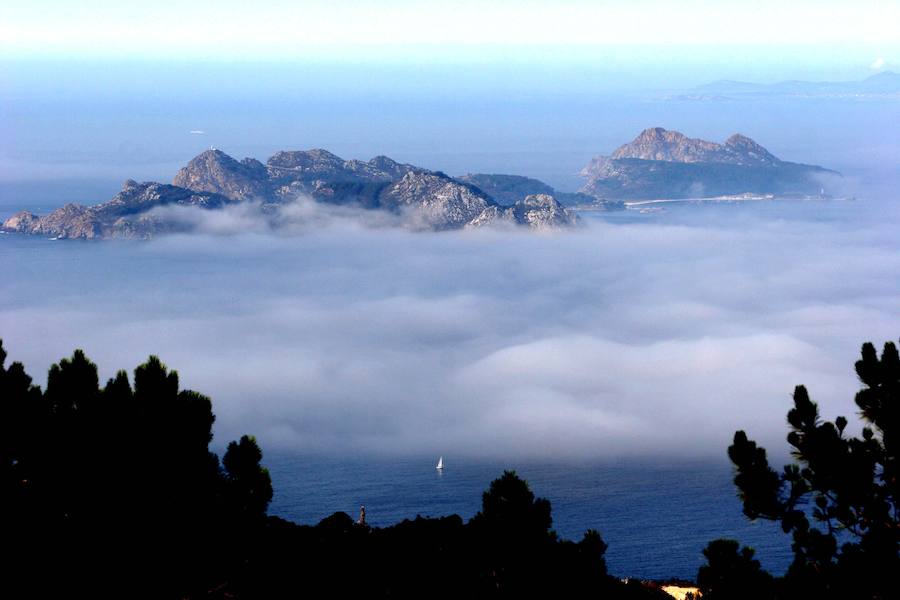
x,y
440,464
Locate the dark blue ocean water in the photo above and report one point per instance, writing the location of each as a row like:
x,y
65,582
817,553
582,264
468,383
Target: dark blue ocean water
x,y
656,516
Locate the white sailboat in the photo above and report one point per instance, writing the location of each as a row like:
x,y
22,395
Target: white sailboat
x,y
440,465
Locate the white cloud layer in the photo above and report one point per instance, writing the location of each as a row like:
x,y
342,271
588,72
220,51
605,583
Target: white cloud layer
x,y
617,339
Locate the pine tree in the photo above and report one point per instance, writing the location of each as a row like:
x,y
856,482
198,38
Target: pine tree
x,y
839,499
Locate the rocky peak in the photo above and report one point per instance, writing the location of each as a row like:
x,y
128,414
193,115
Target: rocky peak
x,y
392,168
252,163
213,179
316,159
667,164
540,212
311,166
747,151
137,197
216,172
435,200
541,201
543,212
657,143
21,221
289,174
672,146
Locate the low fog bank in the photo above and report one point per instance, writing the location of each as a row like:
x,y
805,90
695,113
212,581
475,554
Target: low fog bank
x,y
299,216
652,338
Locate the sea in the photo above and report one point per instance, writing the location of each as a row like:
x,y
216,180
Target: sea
x,y
656,516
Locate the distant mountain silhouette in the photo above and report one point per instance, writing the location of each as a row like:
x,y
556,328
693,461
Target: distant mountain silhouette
x,y
884,83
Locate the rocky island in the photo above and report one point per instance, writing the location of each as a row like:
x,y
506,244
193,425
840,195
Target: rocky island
x,y
663,164
657,164
421,199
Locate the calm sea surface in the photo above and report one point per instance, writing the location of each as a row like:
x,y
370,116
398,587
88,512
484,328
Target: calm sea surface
x,y
656,517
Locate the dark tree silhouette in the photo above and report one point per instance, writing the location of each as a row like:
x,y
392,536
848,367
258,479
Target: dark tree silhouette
x,y
521,555
113,492
249,485
515,537
120,482
510,509
839,499
731,573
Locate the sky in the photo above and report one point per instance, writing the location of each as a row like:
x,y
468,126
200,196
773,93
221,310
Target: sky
x,y
109,90
825,34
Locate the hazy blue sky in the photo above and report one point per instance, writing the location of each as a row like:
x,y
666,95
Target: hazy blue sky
x,y
819,34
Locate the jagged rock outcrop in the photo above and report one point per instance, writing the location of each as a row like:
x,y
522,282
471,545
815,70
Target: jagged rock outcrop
x,y
127,215
288,174
667,164
392,168
214,171
540,212
422,199
321,166
309,166
657,143
434,200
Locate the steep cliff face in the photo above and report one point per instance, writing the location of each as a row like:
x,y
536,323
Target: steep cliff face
x,y
667,164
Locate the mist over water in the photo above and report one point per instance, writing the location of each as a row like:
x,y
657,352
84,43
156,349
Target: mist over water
x,y
636,335
610,365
